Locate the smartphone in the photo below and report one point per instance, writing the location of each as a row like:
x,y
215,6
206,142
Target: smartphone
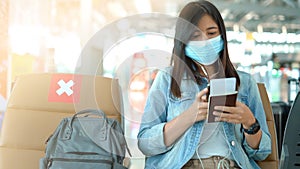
x,y
208,93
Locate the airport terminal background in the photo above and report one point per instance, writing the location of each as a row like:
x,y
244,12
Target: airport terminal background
x,y
48,35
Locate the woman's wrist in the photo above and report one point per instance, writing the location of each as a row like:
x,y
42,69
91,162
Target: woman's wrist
x,y
249,123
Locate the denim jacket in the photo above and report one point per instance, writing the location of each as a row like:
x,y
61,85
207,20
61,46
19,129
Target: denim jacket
x,y
162,106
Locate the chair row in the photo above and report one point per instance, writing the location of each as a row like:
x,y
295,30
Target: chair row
x,y
38,102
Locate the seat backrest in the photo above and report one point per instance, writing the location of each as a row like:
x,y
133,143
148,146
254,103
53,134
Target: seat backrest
x,y
290,154
272,160
37,104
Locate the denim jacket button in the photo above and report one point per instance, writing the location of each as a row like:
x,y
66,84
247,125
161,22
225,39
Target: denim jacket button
x,y
232,143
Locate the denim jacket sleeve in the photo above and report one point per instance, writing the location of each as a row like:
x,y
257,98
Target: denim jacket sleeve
x,y
150,136
255,104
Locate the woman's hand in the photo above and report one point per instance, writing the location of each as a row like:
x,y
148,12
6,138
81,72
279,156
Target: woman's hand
x,y
200,105
240,114
196,112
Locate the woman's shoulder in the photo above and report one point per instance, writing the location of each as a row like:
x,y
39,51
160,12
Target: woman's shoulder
x,y
163,75
243,73
244,76
165,72
246,80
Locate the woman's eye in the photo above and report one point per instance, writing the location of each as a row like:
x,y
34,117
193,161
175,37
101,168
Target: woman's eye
x,y
212,33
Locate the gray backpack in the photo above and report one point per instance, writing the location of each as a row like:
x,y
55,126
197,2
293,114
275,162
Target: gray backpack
x,y
87,140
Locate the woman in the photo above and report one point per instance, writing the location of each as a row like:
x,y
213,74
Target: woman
x,y
174,132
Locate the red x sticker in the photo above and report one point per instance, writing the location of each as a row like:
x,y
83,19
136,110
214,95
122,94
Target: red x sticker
x,y
65,88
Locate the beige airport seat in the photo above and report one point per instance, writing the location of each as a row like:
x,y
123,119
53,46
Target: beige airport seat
x,y
37,104
272,161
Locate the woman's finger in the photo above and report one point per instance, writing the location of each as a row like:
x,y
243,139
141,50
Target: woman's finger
x,y
225,109
201,96
227,117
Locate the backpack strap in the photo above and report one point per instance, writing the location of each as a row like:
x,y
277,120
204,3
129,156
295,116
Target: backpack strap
x,y
86,113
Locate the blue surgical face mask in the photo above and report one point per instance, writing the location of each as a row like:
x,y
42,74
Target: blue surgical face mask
x,y
205,52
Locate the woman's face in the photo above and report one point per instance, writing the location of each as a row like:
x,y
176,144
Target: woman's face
x,y
207,29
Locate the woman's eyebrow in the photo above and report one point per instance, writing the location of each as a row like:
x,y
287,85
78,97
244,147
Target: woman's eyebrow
x,y
212,27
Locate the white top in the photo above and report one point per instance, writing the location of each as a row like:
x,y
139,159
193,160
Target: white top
x,y
213,142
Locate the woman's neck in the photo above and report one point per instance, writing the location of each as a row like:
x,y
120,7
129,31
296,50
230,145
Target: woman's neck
x,y
214,71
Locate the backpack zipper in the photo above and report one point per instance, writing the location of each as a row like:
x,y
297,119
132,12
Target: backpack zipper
x,y
50,161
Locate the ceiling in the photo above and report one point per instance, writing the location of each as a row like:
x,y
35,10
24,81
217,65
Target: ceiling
x,y
252,15
243,15
261,15
240,15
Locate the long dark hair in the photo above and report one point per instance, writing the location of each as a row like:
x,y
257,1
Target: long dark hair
x,y
185,26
